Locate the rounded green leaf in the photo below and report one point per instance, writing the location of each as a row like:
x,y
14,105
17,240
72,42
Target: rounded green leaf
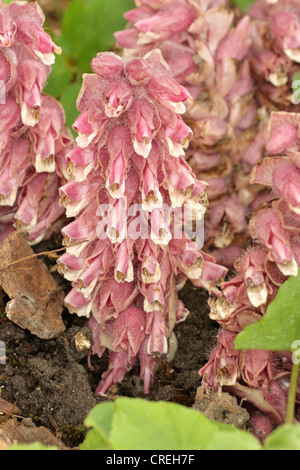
x,y
100,420
279,328
143,425
32,446
286,437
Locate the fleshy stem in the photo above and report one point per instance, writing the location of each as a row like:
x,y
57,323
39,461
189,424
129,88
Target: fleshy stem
x,y
292,394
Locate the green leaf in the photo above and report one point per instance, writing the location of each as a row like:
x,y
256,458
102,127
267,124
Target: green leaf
x,y
60,77
142,425
286,437
100,420
279,328
243,4
233,440
88,27
33,446
296,88
68,101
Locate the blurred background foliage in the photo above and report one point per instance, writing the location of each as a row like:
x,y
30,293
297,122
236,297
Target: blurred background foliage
x,y
243,4
82,28
87,27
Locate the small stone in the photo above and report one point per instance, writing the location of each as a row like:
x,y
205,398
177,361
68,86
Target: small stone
x,y
14,433
81,342
36,299
221,407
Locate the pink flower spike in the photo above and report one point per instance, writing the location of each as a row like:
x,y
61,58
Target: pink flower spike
x,y
132,248
29,19
33,136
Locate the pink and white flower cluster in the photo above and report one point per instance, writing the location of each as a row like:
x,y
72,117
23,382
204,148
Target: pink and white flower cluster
x,y
276,47
208,52
274,58
262,377
126,267
33,136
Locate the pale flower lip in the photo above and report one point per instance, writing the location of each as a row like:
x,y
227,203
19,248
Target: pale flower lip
x,y
258,295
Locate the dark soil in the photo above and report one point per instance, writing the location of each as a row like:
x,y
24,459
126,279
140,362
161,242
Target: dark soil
x,y
51,383
49,380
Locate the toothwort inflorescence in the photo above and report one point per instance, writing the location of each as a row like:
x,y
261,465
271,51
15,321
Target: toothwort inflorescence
x,y
207,49
138,212
33,136
261,377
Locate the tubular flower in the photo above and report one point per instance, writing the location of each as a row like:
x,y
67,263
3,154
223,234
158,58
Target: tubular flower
x,y
130,242
208,54
33,136
273,256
